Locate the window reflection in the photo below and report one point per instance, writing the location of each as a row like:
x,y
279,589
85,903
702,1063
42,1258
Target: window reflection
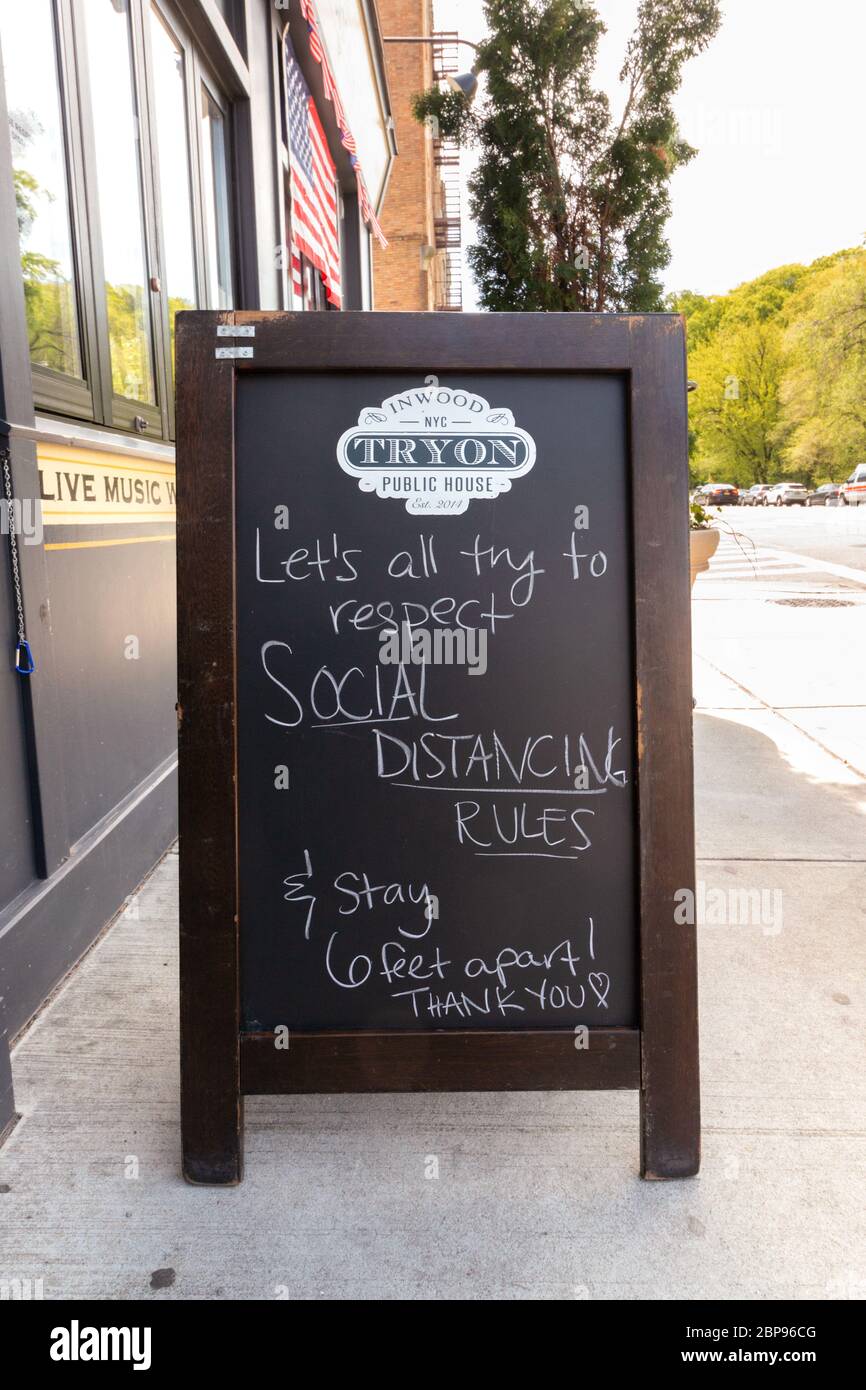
x,y
169,81
115,123
216,203
41,193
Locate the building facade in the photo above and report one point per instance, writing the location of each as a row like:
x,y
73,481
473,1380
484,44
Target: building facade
x,y
421,268
155,155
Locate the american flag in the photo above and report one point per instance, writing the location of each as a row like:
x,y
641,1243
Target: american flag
x,y
315,229
308,10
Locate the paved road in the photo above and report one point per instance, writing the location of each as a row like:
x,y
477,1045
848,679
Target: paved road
x,y
833,534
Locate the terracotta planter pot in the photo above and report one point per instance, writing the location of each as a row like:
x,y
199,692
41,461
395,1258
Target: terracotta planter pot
x,y
702,547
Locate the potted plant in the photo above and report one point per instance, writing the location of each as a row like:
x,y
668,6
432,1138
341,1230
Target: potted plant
x,y
703,539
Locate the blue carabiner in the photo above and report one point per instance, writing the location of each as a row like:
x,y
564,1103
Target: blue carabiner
x,y
24,663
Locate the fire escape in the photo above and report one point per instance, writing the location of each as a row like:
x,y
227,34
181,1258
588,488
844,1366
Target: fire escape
x,y
446,161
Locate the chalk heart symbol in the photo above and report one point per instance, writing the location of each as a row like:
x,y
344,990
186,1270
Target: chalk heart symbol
x,y
600,984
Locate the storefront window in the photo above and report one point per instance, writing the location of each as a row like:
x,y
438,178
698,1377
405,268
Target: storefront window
x,y
216,203
118,177
121,140
315,296
232,12
169,83
41,190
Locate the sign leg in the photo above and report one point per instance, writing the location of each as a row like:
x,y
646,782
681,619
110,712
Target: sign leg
x,y
670,1108
213,1143
211,1107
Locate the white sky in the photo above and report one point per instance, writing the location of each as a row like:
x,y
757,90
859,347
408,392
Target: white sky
x,y
777,109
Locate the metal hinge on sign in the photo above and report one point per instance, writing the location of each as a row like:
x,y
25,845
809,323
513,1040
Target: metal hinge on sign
x,y
233,330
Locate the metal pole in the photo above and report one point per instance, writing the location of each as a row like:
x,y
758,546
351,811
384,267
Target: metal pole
x,y
400,38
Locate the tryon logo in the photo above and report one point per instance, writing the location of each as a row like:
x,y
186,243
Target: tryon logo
x,y
437,449
77,1343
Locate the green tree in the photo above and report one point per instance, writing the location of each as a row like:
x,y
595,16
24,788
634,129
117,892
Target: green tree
x,y
737,356
734,413
822,429
570,204
780,364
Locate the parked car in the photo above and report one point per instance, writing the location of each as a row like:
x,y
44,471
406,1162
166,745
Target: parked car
x,y
853,490
755,495
717,495
786,495
827,492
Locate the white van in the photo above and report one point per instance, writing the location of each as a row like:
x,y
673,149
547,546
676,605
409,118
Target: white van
x,y
854,488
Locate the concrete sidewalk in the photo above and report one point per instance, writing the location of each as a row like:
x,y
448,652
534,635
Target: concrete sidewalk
x,y
537,1195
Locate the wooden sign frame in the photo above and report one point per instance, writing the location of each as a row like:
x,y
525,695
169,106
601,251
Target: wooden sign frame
x,y
219,1064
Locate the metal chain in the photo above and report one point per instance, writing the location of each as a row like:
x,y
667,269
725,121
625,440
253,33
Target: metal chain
x,y
23,658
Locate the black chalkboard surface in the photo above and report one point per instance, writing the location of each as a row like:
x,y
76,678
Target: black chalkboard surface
x,y
434,714
504,795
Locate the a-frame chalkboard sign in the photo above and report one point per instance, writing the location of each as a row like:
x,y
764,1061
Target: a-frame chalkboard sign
x,y
436,807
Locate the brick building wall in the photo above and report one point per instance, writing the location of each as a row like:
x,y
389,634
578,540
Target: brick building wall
x,y
406,275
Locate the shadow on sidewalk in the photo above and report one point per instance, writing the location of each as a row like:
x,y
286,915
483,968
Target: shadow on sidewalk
x,y
764,790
